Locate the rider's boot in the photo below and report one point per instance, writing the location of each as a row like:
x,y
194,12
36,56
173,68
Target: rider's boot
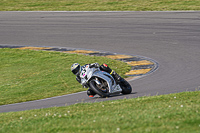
x,y
116,76
105,67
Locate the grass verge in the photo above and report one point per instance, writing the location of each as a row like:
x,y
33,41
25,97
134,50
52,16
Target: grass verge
x,y
177,113
30,75
99,5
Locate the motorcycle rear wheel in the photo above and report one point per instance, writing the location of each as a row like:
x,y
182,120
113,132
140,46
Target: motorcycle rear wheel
x,y
97,90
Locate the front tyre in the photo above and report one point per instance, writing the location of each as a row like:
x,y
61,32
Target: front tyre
x,y
97,90
126,87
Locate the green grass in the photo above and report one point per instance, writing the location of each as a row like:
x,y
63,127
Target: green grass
x,y
174,113
30,75
98,5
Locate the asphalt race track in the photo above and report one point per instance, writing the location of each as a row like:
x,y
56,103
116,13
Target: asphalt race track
x,y
170,38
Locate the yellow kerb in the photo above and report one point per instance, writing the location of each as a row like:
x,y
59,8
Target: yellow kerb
x,y
142,62
82,51
118,56
136,72
34,48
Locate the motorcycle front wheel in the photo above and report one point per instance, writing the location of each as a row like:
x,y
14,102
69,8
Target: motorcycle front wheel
x,y
97,90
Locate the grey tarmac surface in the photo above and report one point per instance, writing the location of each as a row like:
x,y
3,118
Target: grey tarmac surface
x,y
170,38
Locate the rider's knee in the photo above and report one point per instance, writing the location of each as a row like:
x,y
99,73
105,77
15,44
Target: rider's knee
x,y
90,92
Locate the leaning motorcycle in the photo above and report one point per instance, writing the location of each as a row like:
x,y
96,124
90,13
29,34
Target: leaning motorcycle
x,y
102,83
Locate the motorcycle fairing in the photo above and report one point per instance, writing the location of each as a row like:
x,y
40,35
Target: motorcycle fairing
x,y
113,87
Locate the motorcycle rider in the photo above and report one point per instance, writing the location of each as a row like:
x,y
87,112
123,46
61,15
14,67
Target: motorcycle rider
x,y
76,70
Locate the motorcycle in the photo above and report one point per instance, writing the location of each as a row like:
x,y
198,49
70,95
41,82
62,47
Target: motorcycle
x,y
102,83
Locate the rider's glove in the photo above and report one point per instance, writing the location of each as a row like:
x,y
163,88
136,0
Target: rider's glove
x,y
78,79
85,85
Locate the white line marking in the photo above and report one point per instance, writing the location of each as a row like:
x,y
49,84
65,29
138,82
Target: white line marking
x,y
43,99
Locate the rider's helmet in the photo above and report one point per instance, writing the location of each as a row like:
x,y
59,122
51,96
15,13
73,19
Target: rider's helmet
x,y
75,68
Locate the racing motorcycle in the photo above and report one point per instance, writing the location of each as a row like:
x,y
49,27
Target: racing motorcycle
x,y
102,83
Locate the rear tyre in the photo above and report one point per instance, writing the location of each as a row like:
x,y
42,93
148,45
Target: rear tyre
x,y
97,90
126,87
